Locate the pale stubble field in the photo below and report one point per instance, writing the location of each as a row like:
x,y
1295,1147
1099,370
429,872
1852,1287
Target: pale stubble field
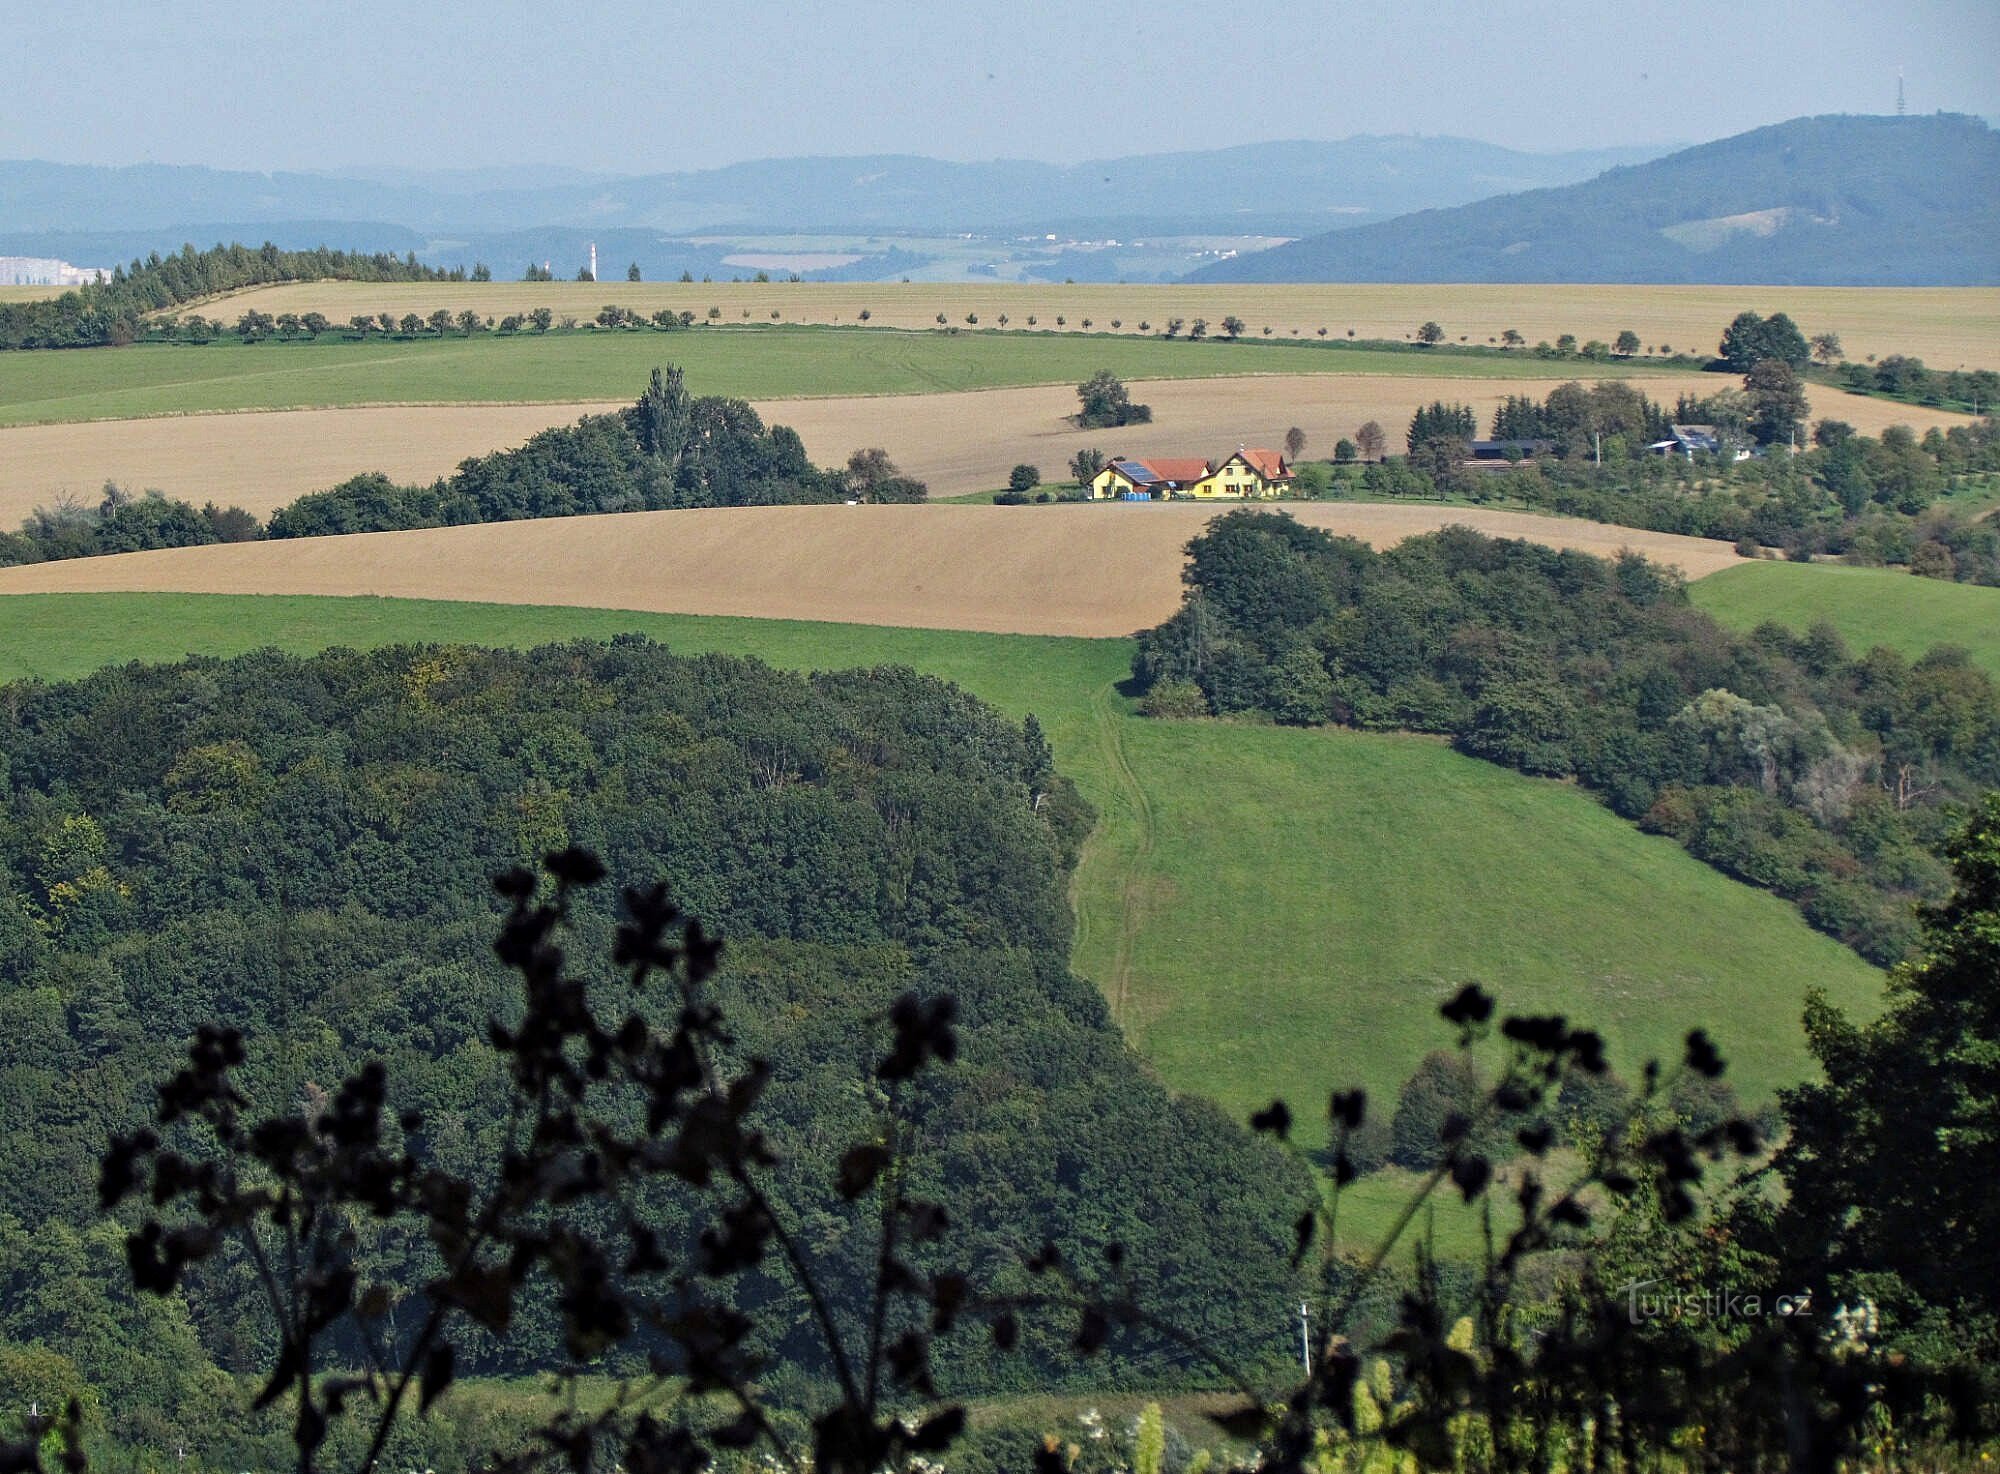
x,y
1103,570
957,443
1948,327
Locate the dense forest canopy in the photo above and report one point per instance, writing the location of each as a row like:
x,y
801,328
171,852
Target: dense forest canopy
x,y
301,848
112,311
1785,760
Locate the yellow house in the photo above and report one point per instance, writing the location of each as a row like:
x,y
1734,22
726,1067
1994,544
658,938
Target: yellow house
x,y
1127,478
1247,473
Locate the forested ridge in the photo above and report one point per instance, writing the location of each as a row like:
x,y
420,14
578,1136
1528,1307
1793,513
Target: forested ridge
x,y
301,848
1787,761
112,311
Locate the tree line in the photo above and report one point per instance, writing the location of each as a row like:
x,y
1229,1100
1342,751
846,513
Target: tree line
x,y
670,449
112,311
1787,761
1580,451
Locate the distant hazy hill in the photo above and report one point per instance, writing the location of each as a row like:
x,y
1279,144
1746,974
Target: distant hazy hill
x,y
1829,201
1259,189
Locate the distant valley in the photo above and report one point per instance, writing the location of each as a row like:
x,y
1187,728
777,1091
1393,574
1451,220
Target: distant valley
x,y
1145,218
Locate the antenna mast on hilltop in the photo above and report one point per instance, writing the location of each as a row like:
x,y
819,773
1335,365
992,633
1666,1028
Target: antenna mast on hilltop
x,y
1900,108
593,244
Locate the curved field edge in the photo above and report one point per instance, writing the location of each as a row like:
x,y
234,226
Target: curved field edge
x,y
1103,570
1869,606
1273,910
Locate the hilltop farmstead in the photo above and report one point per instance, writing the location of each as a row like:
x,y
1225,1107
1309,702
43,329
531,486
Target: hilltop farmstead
x,y
1247,473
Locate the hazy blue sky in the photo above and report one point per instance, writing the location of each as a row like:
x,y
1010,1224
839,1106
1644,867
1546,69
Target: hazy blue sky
x,y
439,83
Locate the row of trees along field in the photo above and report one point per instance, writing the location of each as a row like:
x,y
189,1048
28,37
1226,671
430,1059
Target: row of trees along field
x,y
671,449
113,311
1581,452
302,848
1786,761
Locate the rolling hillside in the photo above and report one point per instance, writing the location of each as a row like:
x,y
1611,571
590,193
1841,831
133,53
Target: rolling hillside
x,y
1859,201
1869,606
1267,909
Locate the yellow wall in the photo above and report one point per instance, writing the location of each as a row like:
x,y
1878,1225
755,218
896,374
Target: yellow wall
x,y
1109,484
1238,473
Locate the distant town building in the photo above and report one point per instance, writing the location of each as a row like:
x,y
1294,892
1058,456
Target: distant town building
x,y
45,271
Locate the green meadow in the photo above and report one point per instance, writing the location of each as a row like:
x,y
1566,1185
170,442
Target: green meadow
x,y
1869,606
1269,910
749,362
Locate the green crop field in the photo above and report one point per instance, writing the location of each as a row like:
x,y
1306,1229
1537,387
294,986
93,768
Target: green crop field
x,y
1869,606
1270,911
754,363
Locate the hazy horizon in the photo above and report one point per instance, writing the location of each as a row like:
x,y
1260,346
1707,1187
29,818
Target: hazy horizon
x,y
505,84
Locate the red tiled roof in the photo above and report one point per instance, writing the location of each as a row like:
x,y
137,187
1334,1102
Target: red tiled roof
x,y
1177,468
1268,463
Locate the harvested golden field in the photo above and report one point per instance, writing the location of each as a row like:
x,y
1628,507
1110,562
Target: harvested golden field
x,y
1948,327
257,461
29,294
1058,570
968,442
957,443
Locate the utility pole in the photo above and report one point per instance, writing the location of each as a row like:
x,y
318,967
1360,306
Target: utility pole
x,y
1305,1337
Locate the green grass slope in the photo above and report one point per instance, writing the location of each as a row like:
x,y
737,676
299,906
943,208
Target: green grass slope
x,y
1869,606
1271,911
752,363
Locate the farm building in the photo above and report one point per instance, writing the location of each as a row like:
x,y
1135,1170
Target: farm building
x,y
1509,450
1693,440
1244,474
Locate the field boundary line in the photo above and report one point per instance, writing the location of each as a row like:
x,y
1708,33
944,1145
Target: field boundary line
x,y
1131,887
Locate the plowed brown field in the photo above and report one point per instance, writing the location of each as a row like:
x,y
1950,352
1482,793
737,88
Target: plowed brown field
x,y
956,442
1064,570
